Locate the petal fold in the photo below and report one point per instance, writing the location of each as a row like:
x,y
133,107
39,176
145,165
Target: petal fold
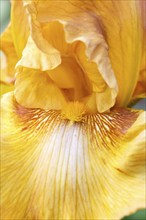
x,y
54,169
111,31
81,23
34,58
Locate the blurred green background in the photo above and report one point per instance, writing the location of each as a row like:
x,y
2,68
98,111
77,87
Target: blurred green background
x,y
4,20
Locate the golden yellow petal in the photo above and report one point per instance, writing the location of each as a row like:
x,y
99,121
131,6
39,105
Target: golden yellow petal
x,y
20,26
8,57
80,24
54,169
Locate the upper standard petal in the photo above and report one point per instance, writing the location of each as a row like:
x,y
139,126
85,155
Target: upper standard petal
x,y
111,30
81,26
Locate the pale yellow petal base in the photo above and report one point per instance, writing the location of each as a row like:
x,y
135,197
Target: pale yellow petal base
x,y
54,169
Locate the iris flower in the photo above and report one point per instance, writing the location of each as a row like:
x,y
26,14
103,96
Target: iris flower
x,y
71,148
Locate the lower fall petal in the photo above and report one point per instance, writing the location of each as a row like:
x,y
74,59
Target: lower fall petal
x,y
55,169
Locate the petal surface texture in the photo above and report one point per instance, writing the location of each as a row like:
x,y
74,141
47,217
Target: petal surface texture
x,y
55,169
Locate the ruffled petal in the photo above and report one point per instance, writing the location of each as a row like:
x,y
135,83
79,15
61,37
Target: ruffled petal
x,y
34,58
102,26
80,24
54,169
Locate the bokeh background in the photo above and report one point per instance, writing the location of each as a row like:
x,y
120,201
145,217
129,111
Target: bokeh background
x,y
4,20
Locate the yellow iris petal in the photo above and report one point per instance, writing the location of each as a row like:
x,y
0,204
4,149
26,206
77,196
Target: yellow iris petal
x,y
52,169
79,25
102,26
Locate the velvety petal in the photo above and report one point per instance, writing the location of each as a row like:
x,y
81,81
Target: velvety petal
x,y
8,57
80,24
54,169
